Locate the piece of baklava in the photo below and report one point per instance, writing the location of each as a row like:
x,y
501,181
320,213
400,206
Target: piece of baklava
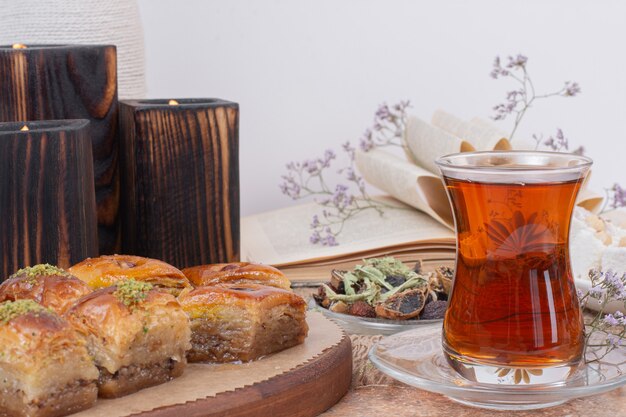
x,y
236,273
45,369
136,334
48,285
107,270
242,322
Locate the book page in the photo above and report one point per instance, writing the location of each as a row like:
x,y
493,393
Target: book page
x,y
480,133
426,143
406,182
281,237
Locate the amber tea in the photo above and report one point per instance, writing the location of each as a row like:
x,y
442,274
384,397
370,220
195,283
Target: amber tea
x,y
513,305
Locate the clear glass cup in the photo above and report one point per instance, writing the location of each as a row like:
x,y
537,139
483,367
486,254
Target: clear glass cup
x,y
513,314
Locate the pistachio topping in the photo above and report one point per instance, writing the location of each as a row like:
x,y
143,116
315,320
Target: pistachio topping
x,y
132,292
12,309
39,270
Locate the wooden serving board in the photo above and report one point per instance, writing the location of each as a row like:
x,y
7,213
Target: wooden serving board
x,y
307,390
302,381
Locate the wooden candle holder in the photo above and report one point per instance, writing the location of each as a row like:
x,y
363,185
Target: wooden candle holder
x,y
47,82
180,180
47,196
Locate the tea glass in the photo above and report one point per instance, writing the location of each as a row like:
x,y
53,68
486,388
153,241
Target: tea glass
x,y
513,315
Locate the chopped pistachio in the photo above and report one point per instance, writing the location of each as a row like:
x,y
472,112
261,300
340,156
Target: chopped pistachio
x,y
12,309
132,292
39,270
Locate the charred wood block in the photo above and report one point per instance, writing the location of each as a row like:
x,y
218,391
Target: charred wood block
x,y
47,197
180,180
53,82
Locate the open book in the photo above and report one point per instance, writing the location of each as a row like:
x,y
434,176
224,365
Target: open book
x,y
417,223
417,182
280,238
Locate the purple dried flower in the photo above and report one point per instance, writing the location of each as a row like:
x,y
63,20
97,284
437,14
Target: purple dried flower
x,y
329,240
315,237
571,89
557,142
315,222
518,61
402,106
290,187
613,340
596,291
311,166
305,179
383,112
349,149
610,320
618,198
329,155
497,70
351,175
615,284
366,143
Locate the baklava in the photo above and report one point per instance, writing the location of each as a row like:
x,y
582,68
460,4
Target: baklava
x,y
109,269
236,273
136,334
242,322
48,285
45,368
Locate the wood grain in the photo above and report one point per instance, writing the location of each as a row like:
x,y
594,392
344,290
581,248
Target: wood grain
x,y
47,198
180,180
306,391
71,82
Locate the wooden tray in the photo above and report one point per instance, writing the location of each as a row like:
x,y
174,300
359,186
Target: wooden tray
x,y
307,390
301,381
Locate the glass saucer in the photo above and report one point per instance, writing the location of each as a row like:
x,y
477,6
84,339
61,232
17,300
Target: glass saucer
x,y
371,326
415,357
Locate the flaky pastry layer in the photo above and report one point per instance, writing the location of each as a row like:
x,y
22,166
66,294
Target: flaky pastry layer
x,y
236,273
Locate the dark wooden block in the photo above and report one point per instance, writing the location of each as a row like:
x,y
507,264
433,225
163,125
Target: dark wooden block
x,y
180,180
46,82
47,198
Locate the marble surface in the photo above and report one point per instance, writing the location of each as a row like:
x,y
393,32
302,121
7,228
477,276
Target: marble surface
x,y
404,401
377,395
373,394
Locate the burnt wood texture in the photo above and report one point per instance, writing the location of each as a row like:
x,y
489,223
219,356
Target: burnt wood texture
x,y
47,198
180,180
53,82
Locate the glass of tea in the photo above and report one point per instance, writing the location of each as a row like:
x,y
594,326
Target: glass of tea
x,y
513,315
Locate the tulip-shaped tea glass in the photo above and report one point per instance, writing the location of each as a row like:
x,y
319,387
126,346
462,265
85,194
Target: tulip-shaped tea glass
x,y
513,315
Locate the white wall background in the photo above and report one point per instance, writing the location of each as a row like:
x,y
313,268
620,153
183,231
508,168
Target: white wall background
x,y
309,74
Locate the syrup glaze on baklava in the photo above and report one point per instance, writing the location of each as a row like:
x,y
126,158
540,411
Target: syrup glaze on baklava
x,y
137,335
236,273
48,285
108,270
45,368
242,322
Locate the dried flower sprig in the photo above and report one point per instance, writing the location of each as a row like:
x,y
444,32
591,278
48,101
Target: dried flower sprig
x,y
604,332
615,198
388,127
556,143
518,101
344,200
